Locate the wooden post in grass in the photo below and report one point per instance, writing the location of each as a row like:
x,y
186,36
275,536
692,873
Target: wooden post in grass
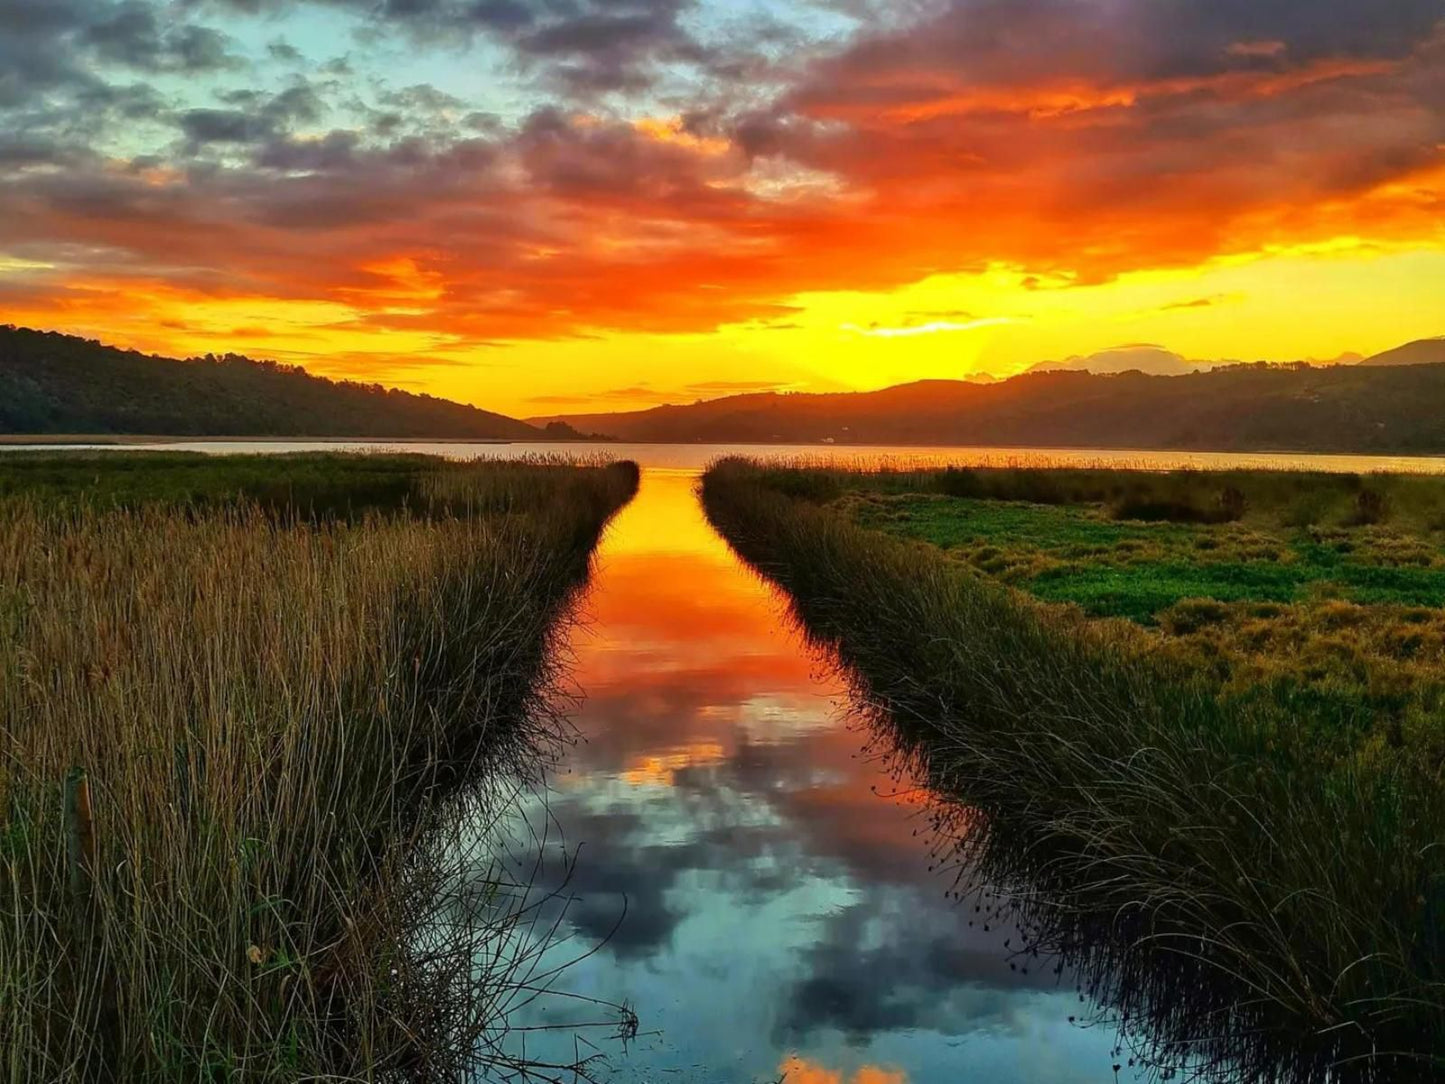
x,y
80,838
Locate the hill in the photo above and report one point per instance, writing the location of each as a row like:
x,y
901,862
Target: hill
x,y
1419,352
53,383
1383,410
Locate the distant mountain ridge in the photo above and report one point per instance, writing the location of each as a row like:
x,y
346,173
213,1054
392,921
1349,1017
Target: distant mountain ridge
x,y
1419,352
53,383
1392,403
1379,409
1134,357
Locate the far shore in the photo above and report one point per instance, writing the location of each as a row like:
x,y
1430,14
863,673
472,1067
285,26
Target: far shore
x,y
129,438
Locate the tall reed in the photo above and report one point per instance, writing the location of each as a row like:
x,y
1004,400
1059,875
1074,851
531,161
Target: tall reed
x,y
1312,896
266,710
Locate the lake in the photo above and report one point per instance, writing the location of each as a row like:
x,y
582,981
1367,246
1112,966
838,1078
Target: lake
x,y
696,457
743,870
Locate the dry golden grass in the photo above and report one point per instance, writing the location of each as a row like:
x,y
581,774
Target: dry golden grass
x,y
265,713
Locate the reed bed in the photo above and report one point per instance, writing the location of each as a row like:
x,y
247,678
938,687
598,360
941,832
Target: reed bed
x,y
1303,901
264,715
1269,497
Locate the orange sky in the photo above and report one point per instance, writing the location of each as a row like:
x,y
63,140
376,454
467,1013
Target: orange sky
x,y
604,206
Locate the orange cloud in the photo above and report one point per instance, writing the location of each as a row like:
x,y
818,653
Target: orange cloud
x,y
1075,142
1058,99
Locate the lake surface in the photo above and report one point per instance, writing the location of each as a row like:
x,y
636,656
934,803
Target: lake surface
x,y
759,883
696,457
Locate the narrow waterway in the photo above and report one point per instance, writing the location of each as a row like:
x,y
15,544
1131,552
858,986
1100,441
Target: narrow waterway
x,y
758,882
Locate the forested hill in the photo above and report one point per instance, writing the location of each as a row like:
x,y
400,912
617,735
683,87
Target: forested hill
x,y
53,383
1384,410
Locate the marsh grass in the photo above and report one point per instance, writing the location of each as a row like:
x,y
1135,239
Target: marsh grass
x,y
270,710
292,486
1294,498
1339,625
1301,897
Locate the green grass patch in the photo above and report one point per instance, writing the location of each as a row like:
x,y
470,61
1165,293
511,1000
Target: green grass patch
x,y
1137,569
953,521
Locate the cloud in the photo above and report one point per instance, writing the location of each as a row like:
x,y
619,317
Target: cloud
x,y
1256,48
51,45
262,120
933,327
644,393
577,46
1140,357
874,970
1074,139
133,33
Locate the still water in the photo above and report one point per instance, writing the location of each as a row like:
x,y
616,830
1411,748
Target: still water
x,y
697,456
759,883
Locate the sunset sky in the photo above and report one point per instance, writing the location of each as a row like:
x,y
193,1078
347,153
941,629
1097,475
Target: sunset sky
x,y
550,205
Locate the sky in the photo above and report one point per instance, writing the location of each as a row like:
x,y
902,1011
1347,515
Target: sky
x,y
543,206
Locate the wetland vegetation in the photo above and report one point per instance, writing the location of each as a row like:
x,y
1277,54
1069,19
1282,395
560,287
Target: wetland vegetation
x,y
236,696
1191,719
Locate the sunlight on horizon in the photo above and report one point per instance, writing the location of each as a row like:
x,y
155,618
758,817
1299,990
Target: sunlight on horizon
x,y
785,196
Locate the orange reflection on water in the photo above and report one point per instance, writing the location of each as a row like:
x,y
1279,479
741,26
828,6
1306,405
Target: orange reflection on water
x,y
691,670
797,1070
667,521
661,769
680,654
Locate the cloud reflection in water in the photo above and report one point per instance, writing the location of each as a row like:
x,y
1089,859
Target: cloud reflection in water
x,y
763,908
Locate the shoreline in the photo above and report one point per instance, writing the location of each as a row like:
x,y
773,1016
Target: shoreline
x,y
131,439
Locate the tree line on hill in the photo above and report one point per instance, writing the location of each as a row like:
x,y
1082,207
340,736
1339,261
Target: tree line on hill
x,y
1254,407
52,383
56,384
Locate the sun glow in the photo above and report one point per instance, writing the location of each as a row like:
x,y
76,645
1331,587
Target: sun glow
x,y
595,228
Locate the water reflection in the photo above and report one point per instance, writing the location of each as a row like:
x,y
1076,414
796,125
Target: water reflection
x,y
764,910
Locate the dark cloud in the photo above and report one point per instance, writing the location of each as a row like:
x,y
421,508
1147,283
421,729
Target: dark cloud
x,y
63,63
577,46
20,150
284,51
337,150
1021,43
908,963
1194,37
423,98
260,120
622,876
57,43
34,57
617,886
202,126
613,45
135,34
